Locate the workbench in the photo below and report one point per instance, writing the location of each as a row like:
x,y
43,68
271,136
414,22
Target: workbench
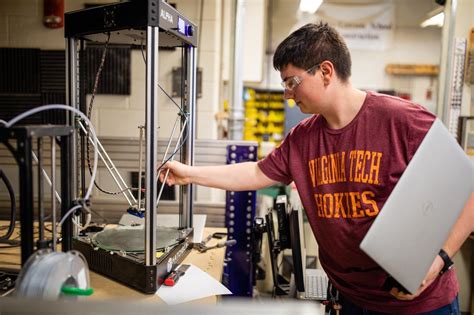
x,y
211,261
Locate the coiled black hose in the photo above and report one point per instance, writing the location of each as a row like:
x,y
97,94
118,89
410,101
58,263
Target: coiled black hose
x,y
11,192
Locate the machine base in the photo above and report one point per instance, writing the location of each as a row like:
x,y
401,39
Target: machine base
x,y
130,268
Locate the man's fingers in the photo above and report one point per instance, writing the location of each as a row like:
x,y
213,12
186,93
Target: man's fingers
x,y
400,295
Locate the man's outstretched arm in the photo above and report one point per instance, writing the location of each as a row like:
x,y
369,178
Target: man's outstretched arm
x,y
233,177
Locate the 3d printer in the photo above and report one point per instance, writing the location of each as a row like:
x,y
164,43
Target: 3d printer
x,y
152,24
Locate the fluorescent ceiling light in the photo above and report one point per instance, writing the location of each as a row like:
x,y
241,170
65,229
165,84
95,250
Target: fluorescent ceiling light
x,y
310,6
435,18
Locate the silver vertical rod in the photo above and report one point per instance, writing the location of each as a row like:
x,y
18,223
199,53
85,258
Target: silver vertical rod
x,y
40,190
190,108
236,119
72,99
151,143
53,189
140,167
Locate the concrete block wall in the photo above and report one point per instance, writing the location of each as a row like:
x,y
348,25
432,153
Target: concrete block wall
x,y
119,116
22,24
21,27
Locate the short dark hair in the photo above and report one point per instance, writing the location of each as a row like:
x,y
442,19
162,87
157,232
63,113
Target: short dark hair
x,y
311,45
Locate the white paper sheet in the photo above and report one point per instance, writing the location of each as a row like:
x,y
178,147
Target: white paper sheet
x,y
195,284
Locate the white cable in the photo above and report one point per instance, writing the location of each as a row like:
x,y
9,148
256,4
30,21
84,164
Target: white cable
x,y
69,108
70,211
94,137
68,214
45,174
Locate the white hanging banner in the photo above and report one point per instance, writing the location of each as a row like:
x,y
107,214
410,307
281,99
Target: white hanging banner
x,y
363,26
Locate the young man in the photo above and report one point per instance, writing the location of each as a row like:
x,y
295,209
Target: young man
x,y
345,160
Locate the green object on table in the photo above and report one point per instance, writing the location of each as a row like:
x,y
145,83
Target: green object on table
x,y
275,190
68,290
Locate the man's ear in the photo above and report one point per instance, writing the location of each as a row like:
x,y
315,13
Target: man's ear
x,y
327,70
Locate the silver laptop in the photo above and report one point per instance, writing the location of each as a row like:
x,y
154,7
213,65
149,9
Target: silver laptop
x,y
416,220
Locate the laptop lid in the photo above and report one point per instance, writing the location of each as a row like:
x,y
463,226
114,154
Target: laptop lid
x,y
416,219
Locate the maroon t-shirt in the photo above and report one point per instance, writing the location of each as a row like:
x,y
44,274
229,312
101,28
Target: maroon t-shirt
x,y
343,178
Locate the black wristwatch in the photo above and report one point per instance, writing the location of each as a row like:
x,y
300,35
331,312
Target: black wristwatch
x,y
448,263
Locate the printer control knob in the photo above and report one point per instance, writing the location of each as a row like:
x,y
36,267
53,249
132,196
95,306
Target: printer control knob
x,y
189,30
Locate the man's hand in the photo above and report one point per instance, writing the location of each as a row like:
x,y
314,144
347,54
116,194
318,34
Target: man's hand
x,y
179,173
435,268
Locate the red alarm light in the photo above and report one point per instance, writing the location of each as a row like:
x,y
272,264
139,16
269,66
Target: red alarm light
x,y
53,13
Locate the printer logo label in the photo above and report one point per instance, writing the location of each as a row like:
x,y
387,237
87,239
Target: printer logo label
x,y
166,16
427,208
